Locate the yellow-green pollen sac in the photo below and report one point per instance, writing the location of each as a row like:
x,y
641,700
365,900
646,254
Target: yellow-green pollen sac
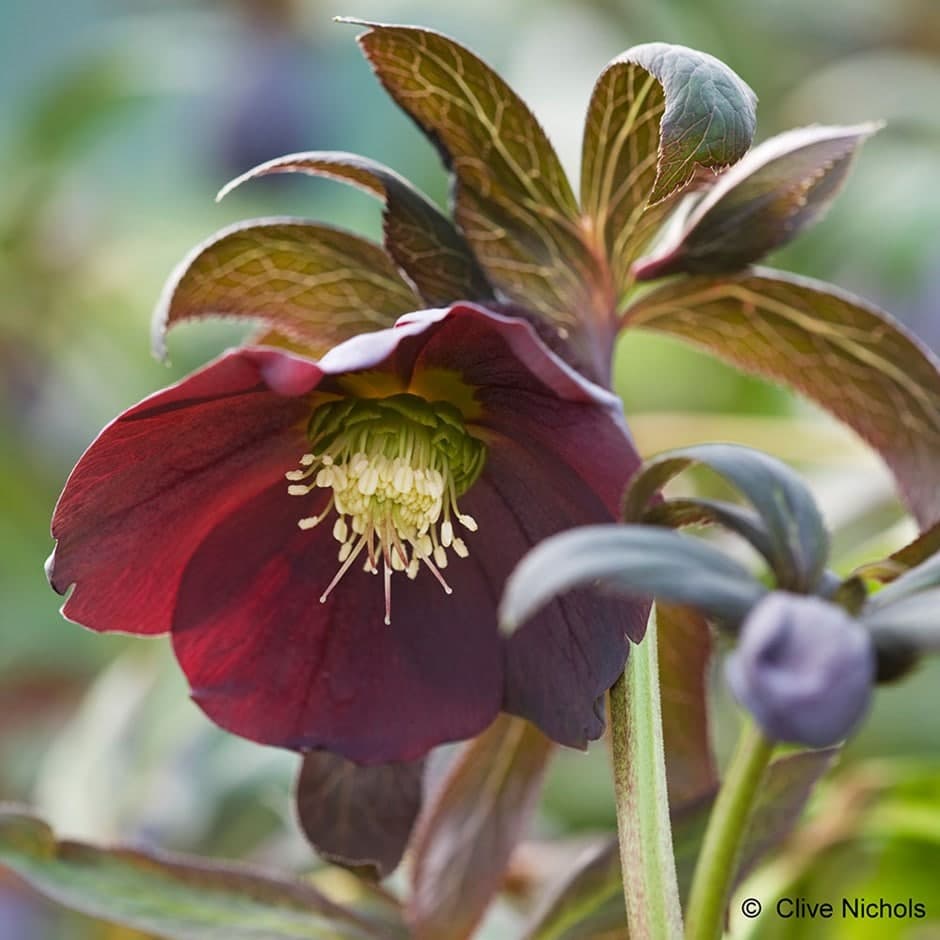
x,y
395,468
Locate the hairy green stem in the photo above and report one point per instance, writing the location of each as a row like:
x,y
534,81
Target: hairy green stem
x,y
718,859
649,870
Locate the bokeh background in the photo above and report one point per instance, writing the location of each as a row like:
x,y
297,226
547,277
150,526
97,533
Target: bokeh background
x,y
118,123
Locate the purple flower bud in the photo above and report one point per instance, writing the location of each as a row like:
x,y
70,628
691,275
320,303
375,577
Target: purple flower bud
x,y
804,668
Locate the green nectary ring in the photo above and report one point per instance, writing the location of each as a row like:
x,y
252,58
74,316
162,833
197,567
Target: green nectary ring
x,y
395,468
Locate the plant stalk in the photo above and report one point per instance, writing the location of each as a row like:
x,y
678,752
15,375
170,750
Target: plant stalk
x,y
717,863
650,888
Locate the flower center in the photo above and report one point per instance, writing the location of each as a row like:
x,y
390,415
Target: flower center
x,y
395,468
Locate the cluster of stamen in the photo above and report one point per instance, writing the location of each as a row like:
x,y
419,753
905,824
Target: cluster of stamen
x,y
394,468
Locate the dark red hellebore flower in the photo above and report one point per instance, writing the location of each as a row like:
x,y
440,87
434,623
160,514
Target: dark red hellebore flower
x,y
352,606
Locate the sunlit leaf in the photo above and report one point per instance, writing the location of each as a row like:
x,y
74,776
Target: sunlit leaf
x,y
798,541
685,651
632,560
171,896
418,236
311,283
358,816
775,192
657,112
844,354
513,200
467,834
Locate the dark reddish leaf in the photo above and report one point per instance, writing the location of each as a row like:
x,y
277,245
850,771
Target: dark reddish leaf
x,y
312,284
419,237
358,816
466,836
685,651
843,353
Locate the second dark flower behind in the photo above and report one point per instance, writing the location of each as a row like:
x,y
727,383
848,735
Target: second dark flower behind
x,y
351,606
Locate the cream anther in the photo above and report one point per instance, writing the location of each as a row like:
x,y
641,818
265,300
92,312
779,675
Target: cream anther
x,y
394,469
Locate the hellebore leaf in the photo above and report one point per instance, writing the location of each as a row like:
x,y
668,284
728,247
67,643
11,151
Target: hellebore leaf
x,y
171,896
685,652
468,832
632,560
844,354
657,112
423,242
512,198
909,556
922,577
358,816
764,201
784,793
912,621
923,547
681,512
798,541
310,283
588,905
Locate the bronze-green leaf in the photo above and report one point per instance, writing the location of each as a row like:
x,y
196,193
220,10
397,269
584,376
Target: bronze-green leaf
x,y
420,238
845,354
476,817
657,112
358,816
775,192
310,283
170,896
513,200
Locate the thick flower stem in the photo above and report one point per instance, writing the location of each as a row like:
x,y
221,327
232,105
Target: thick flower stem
x,y
717,862
649,871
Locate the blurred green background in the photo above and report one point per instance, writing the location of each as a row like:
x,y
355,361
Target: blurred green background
x,y
119,122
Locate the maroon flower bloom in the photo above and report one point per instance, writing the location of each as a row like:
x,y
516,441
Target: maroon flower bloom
x,y
433,454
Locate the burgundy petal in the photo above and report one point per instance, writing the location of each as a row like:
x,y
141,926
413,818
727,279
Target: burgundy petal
x,y
559,455
560,665
179,513
267,660
160,477
491,350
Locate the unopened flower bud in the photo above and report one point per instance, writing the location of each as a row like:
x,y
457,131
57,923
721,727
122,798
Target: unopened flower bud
x,y
804,669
